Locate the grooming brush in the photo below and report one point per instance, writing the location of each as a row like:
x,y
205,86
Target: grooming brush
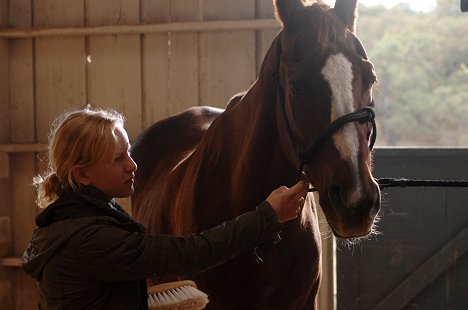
x,y
183,295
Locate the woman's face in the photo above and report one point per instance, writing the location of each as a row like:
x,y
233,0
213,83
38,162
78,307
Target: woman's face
x,y
114,179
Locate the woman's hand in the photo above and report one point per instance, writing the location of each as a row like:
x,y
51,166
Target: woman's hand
x,y
288,202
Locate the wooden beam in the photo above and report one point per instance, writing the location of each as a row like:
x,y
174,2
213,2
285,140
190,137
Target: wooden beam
x,y
23,147
425,274
10,262
142,28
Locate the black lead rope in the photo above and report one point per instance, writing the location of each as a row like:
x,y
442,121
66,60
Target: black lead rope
x,y
402,182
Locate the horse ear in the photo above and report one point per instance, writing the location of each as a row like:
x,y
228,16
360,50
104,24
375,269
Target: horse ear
x,y
285,11
346,10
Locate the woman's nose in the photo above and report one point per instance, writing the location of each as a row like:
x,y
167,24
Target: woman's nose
x,y
131,166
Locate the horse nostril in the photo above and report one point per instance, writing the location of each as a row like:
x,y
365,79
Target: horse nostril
x,y
334,195
352,200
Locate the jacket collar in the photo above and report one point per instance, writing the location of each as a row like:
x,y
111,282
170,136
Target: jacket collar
x,y
85,201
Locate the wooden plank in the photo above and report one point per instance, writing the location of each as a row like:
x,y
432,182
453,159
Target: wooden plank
x,y
457,274
228,10
3,13
155,77
23,147
183,72
227,59
156,12
60,63
427,272
202,26
23,200
4,165
5,235
4,89
4,74
60,80
155,69
117,12
170,60
227,65
22,120
19,14
10,261
56,13
114,77
114,73
5,294
4,108
184,59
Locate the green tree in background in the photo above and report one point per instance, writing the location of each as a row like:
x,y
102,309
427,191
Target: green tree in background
x,y
421,60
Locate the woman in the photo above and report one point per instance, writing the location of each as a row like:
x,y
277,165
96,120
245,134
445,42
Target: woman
x,y
88,253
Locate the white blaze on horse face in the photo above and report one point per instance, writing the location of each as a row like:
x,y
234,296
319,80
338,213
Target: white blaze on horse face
x,y
339,74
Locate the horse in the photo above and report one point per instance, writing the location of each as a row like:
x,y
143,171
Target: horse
x,y
308,115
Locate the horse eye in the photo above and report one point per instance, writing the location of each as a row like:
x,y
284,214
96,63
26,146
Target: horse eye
x,y
369,80
369,77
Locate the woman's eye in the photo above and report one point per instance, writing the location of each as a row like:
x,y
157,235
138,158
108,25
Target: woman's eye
x,y
121,156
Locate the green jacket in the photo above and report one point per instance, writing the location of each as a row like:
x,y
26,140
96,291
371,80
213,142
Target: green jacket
x,y
91,255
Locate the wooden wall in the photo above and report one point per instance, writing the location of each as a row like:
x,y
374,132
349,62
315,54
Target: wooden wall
x,y
145,58
5,212
420,258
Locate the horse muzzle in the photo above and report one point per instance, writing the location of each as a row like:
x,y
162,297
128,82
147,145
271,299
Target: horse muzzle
x,y
351,212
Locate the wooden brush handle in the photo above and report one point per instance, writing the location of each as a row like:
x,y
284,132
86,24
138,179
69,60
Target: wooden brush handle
x,y
169,286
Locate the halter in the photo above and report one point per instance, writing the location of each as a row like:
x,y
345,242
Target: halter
x,y
364,115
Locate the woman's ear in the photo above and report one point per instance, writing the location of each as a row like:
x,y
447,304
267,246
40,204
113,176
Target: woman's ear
x,y
80,175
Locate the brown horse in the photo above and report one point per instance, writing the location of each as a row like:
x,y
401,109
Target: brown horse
x,y
308,111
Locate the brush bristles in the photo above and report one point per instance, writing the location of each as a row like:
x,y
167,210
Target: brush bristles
x,y
183,297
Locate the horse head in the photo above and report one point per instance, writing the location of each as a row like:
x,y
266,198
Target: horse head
x,y
325,95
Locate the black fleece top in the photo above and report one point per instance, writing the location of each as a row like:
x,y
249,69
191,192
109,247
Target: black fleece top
x,y
87,253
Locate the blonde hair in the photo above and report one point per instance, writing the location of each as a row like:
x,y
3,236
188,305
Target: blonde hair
x,y
77,138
